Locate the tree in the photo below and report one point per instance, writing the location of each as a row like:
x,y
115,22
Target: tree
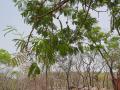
x,y
66,64
111,56
64,40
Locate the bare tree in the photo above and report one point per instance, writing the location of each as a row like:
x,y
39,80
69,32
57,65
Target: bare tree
x,y
66,64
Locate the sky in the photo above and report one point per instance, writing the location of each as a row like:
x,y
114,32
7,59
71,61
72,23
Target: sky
x,y
10,16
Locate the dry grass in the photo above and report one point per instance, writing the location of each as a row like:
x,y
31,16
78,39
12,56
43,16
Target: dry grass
x,y
56,81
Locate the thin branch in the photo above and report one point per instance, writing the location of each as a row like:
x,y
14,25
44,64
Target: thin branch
x,y
98,10
95,9
55,8
28,40
118,31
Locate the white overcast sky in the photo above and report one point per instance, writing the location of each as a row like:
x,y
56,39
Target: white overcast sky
x,y
10,16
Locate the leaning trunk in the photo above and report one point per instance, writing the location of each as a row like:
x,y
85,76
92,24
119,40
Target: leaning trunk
x,y
113,81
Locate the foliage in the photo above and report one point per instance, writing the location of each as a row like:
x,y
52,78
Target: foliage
x,y
53,40
5,57
33,70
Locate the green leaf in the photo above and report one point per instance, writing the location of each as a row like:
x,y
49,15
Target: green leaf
x,y
5,56
34,70
9,29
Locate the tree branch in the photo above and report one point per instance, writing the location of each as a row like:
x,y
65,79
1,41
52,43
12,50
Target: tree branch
x,y
55,8
28,40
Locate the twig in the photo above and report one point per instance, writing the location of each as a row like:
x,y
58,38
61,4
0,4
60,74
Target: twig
x,y
58,6
28,40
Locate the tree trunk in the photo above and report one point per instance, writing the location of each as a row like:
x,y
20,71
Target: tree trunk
x,y
46,78
68,84
113,81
